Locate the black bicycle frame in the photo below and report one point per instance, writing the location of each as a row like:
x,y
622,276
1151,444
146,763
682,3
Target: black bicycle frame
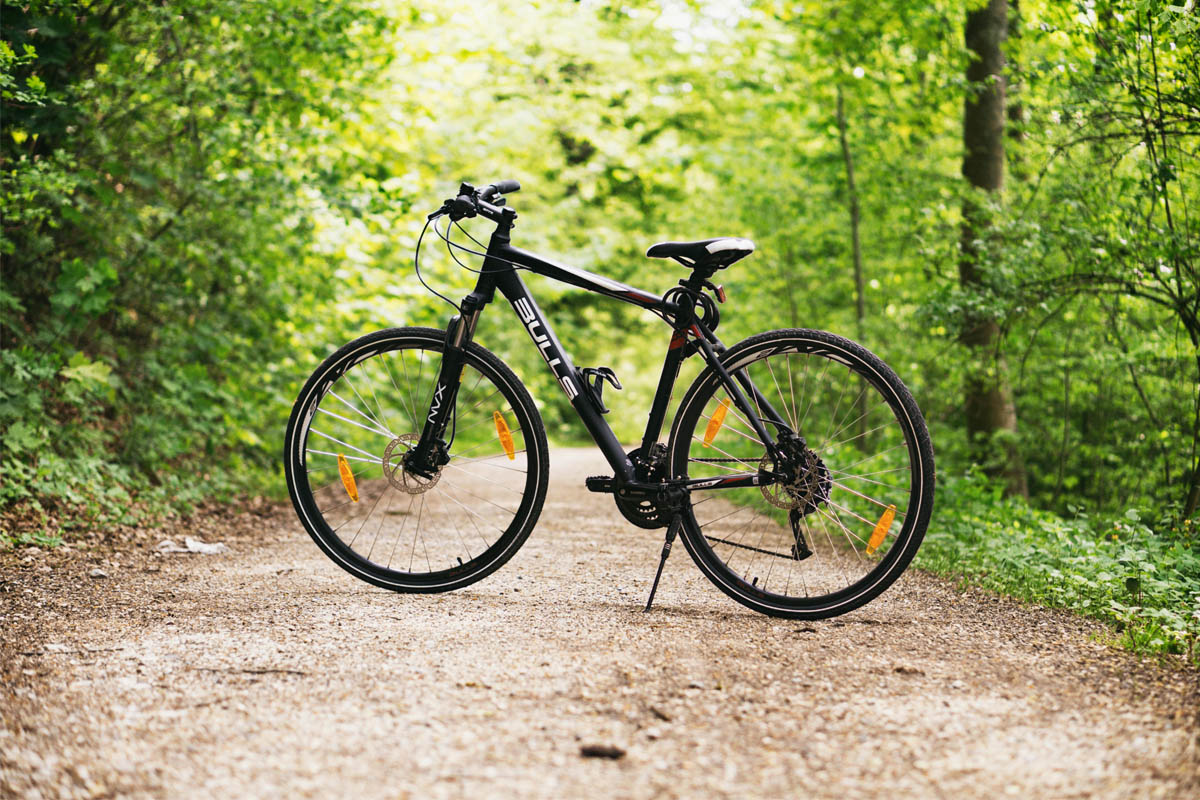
x,y
499,271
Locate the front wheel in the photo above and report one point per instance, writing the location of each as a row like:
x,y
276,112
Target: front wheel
x,y
362,410
858,495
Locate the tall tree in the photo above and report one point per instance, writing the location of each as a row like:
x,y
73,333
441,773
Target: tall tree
x,y
991,413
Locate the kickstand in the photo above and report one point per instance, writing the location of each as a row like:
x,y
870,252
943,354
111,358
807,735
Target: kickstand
x,y
672,530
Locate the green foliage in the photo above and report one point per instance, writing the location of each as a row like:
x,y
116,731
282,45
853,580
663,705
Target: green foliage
x,y
155,185
1144,581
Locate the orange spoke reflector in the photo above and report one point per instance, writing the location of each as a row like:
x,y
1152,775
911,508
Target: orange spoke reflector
x,y
506,440
715,422
881,529
347,478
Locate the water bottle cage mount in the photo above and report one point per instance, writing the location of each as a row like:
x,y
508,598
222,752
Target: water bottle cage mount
x,y
593,378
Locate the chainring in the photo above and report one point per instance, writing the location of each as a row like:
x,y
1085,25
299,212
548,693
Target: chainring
x,y
642,511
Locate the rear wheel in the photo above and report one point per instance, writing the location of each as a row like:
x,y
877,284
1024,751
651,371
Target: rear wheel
x,y
351,425
859,489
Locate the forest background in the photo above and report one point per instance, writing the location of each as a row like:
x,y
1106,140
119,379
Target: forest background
x,y
202,200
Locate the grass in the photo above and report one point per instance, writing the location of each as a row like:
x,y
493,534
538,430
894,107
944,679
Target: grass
x,y
1143,581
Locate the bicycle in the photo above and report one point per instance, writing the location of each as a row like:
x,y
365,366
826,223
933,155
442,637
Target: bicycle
x,y
798,469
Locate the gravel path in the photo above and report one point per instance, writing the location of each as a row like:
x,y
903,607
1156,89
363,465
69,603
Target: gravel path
x,y
268,672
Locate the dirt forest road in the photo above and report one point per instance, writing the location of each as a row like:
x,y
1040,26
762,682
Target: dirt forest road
x,y
268,672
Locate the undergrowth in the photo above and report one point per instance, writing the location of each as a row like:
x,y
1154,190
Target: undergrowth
x,y
1143,579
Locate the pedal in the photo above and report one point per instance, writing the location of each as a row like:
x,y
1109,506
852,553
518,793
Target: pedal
x,y
593,378
600,483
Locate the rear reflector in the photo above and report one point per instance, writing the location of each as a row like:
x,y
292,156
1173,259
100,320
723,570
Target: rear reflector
x,y
881,530
715,422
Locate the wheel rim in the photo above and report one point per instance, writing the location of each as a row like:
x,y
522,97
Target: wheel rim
x,y
861,458
363,417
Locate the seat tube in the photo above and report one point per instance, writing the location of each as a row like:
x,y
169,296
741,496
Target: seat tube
x,y
662,395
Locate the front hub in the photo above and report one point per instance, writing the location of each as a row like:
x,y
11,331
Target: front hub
x,y
396,473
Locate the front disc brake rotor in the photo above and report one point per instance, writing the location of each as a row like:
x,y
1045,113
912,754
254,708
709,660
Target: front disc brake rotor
x,y
393,466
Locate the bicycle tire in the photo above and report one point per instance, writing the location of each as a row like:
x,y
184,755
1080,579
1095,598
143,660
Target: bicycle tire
x,y
464,501
840,574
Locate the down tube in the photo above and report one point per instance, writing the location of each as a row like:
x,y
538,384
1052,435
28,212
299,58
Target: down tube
x,y
531,316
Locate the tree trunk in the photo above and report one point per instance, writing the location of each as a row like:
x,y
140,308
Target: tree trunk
x,y
860,303
1013,91
991,413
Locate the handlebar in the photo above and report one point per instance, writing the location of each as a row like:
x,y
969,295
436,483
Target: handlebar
x,y
501,187
471,201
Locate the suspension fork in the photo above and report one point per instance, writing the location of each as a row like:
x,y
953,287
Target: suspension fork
x,y
430,452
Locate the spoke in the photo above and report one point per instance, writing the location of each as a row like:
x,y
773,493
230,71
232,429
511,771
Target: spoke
x,y
465,471
808,408
833,417
850,535
408,381
718,466
375,397
736,413
417,532
470,394
723,516
359,424
366,405
489,441
722,452
356,410
456,529
484,400
382,521
369,513
400,534
478,422
424,546
875,455
833,551
480,497
325,512
734,429
899,514
754,396
337,482
861,519
859,436
854,405
372,457
412,414
771,369
348,458
757,513
488,462
758,546
474,515
787,360
865,475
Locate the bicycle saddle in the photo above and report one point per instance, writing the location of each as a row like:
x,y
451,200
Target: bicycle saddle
x,y
718,253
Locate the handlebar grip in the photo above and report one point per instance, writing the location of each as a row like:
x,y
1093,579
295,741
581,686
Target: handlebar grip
x,y
500,187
